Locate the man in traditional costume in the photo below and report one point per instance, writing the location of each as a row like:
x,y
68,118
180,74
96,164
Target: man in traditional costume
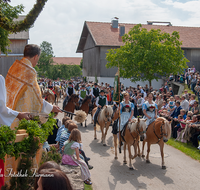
x,y
100,102
95,93
23,91
82,94
69,91
7,116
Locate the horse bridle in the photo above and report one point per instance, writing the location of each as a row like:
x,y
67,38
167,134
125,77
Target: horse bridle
x,y
161,129
138,131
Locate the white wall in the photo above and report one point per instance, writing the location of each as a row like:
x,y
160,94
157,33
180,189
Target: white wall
x,y
127,82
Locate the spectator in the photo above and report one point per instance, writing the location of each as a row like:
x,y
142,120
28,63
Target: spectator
x,y
191,101
195,108
184,103
46,165
55,180
72,146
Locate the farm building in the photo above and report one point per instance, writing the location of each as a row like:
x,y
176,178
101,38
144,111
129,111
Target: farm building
x,y
98,37
18,42
67,60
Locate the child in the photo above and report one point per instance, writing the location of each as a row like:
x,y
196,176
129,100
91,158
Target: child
x,y
72,146
171,105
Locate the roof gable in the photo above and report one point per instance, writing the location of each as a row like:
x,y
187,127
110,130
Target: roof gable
x,y
104,35
67,60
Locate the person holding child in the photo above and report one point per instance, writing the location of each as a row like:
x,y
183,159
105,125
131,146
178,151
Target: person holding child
x,y
72,146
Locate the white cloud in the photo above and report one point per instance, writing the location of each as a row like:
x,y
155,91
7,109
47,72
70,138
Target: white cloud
x,y
61,22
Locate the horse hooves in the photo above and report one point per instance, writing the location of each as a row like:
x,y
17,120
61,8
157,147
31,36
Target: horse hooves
x,y
95,138
131,168
163,167
104,145
147,161
138,155
125,162
143,156
85,125
81,124
116,157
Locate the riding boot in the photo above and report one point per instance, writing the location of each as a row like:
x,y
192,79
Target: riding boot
x,y
64,103
96,115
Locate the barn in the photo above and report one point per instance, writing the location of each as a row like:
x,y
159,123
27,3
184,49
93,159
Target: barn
x,y
18,42
98,37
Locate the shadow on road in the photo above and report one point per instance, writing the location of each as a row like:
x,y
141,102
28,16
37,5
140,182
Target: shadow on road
x,y
134,177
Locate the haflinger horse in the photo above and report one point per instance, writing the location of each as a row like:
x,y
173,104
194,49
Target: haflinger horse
x,y
158,132
85,106
58,92
130,135
49,96
71,104
104,120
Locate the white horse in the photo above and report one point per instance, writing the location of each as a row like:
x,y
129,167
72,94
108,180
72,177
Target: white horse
x,y
104,120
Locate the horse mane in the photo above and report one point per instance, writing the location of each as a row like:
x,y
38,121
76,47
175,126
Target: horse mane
x,y
72,96
167,126
133,126
85,99
106,109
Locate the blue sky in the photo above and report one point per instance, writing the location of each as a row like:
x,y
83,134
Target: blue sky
x,y
61,22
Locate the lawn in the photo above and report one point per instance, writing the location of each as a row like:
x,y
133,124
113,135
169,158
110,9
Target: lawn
x,y
186,148
87,187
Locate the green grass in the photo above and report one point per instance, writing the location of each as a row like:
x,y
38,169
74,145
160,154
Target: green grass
x,y
188,149
87,187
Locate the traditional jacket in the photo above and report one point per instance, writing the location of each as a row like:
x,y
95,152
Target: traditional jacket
x,y
82,94
101,100
95,92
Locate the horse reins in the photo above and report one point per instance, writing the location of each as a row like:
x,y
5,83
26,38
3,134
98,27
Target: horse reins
x,y
161,129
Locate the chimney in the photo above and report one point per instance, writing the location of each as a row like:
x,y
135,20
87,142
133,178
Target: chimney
x,y
121,30
114,22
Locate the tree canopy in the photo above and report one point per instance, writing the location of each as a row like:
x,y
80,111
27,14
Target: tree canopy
x,y
147,55
11,13
46,68
18,26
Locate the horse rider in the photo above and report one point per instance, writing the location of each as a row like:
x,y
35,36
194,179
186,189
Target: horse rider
x,y
101,101
69,91
82,94
94,92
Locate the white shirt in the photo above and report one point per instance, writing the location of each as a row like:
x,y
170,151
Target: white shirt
x,y
7,115
185,105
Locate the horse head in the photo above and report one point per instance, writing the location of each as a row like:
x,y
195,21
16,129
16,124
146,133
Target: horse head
x,y
165,128
106,113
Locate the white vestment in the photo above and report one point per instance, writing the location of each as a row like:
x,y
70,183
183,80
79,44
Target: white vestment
x,y
7,115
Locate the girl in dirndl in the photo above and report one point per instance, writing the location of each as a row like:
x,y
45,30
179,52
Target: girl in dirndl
x,y
150,110
72,146
126,111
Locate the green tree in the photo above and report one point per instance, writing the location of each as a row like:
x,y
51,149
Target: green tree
x,y
18,26
11,13
46,59
147,55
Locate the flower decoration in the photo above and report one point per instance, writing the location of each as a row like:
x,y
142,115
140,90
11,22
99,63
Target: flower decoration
x,y
127,106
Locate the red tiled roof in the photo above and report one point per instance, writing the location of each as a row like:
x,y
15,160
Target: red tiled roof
x,y
67,60
104,35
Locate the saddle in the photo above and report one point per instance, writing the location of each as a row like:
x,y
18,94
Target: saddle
x,y
122,132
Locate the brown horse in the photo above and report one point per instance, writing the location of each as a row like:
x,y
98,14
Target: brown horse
x,y
49,96
57,91
72,102
130,135
158,132
86,106
104,120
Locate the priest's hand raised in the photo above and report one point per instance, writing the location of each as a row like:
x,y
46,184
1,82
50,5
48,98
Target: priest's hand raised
x,y
23,115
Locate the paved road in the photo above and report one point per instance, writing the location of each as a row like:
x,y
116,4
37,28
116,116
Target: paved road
x,y
109,174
